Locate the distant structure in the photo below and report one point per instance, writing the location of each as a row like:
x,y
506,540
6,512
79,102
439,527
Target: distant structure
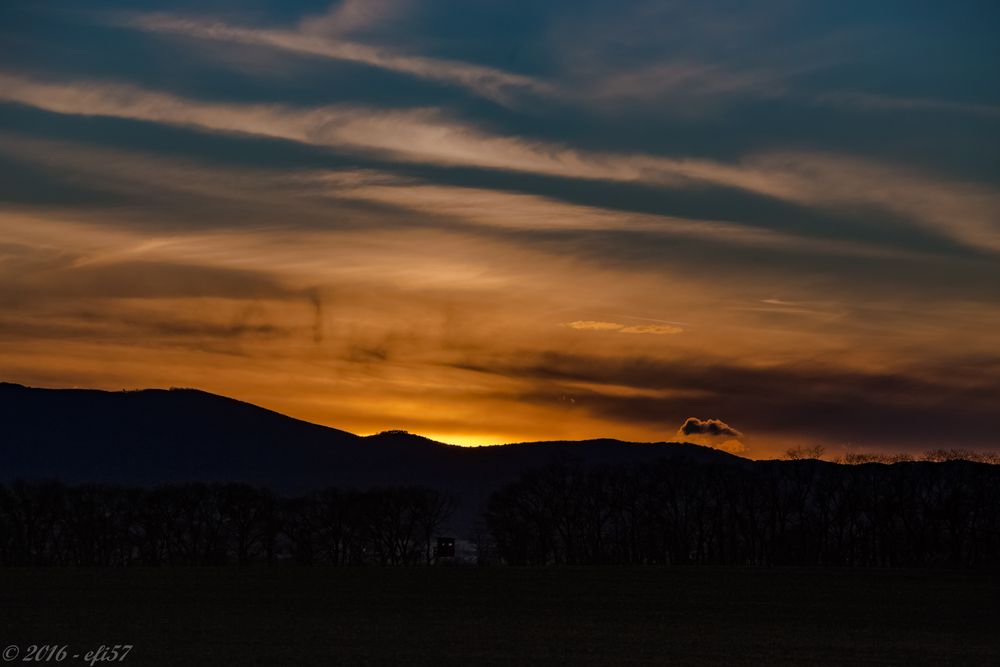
x,y
445,548
451,551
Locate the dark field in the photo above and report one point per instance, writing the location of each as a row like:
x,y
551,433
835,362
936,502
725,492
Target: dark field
x,y
477,616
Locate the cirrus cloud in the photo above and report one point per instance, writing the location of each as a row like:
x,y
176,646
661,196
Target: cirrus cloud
x,y
962,211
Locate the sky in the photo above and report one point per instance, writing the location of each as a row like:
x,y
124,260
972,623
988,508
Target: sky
x,y
753,226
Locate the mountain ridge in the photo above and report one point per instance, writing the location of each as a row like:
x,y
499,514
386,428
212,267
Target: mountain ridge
x,y
155,436
394,436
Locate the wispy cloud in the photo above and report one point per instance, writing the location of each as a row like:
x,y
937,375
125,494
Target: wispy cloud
x,y
652,329
687,80
594,325
352,16
517,211
965,212
889,103
257,195
329,36
321,38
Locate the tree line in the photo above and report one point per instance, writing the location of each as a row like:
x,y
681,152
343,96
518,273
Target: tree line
x,y
50,523
765,513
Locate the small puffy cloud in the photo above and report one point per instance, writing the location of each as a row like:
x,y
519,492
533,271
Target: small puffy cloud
x,y
654,329
713,433
712,427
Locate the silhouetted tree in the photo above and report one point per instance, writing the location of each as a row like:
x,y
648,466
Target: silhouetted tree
x,y
799,512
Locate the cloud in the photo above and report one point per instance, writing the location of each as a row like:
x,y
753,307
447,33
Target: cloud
x,y
350,16
325,36
681,59
592,325
420,135
155,280
712,433
319,38
947,402
875,102
965,212
962,211
189,193
711,427
654,329
689,80
535,213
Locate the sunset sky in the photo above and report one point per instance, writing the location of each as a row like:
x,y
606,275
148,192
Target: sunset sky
x,y
503,221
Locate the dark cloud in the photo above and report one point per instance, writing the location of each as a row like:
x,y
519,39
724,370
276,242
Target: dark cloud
x,y
116,327
937,404
152,279
711,427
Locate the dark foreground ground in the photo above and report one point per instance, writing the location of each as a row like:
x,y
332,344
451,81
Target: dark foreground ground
x,y
488,616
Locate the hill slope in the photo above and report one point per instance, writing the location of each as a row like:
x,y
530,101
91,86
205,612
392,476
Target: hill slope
x,y
153,436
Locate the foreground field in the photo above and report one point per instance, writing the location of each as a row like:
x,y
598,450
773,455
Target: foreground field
x,y
299,616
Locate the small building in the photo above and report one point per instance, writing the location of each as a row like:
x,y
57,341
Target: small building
x,y
452,551
445,548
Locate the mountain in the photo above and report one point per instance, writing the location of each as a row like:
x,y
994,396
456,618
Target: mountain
x,y
153,436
